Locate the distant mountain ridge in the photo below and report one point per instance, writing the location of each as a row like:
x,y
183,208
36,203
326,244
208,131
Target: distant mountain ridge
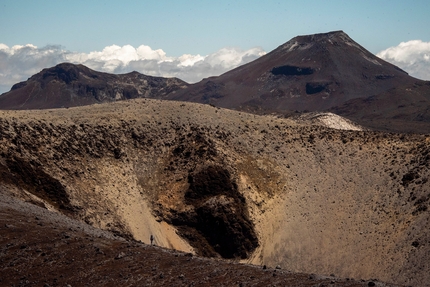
x,y
327,72
321,72
67,85
312,72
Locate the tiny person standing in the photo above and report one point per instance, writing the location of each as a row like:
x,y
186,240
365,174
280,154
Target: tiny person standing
x,y
152,239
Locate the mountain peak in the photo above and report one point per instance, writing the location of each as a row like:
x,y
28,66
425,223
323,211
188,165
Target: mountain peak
x,y
67,85
336,38
319,72
326,34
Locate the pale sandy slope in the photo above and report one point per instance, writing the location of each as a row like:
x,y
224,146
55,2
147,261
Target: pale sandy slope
x,y
322,200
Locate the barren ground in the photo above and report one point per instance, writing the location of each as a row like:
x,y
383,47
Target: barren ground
x,y
258,189
42,248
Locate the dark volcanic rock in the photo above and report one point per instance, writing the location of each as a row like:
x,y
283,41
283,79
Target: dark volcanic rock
x,y
220,215
32,178
291,71
216,222
67,85
321,72
314,88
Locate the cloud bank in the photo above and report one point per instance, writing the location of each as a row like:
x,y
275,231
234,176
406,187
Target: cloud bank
x,y
412,56
19,62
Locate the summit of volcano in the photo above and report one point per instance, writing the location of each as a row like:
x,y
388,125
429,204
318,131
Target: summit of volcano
x,y
321,72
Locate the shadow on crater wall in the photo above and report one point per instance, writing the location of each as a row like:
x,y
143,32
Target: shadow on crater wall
x,y
33,179
219,222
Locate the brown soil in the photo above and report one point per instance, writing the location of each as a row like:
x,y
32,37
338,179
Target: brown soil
x,y
306,197
42,248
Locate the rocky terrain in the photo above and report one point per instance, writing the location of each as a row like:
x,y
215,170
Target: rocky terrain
x,y
43,248
69,85
218,183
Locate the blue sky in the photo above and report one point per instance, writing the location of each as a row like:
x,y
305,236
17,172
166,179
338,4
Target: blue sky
x,y
200,27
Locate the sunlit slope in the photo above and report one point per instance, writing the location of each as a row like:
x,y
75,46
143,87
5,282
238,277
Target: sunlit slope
x,y
223,183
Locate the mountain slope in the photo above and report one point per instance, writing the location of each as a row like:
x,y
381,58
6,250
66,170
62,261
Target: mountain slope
x,y
326,72
68,85
317,73
275,191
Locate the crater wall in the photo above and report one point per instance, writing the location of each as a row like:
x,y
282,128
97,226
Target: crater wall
x,y
308,198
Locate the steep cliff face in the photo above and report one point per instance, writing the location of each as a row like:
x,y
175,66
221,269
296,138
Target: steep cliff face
x,y
222,183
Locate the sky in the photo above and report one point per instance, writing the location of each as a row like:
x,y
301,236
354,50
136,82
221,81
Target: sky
x,y
192,40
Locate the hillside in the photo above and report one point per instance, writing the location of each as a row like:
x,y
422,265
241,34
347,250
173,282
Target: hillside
x,y
227,184
70,85
321,72
327,72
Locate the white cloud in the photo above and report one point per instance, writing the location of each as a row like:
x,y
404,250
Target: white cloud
x,y
412,56
229,56
19,62
189,60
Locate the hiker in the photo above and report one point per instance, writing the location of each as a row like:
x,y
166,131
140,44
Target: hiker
x,y
152,239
